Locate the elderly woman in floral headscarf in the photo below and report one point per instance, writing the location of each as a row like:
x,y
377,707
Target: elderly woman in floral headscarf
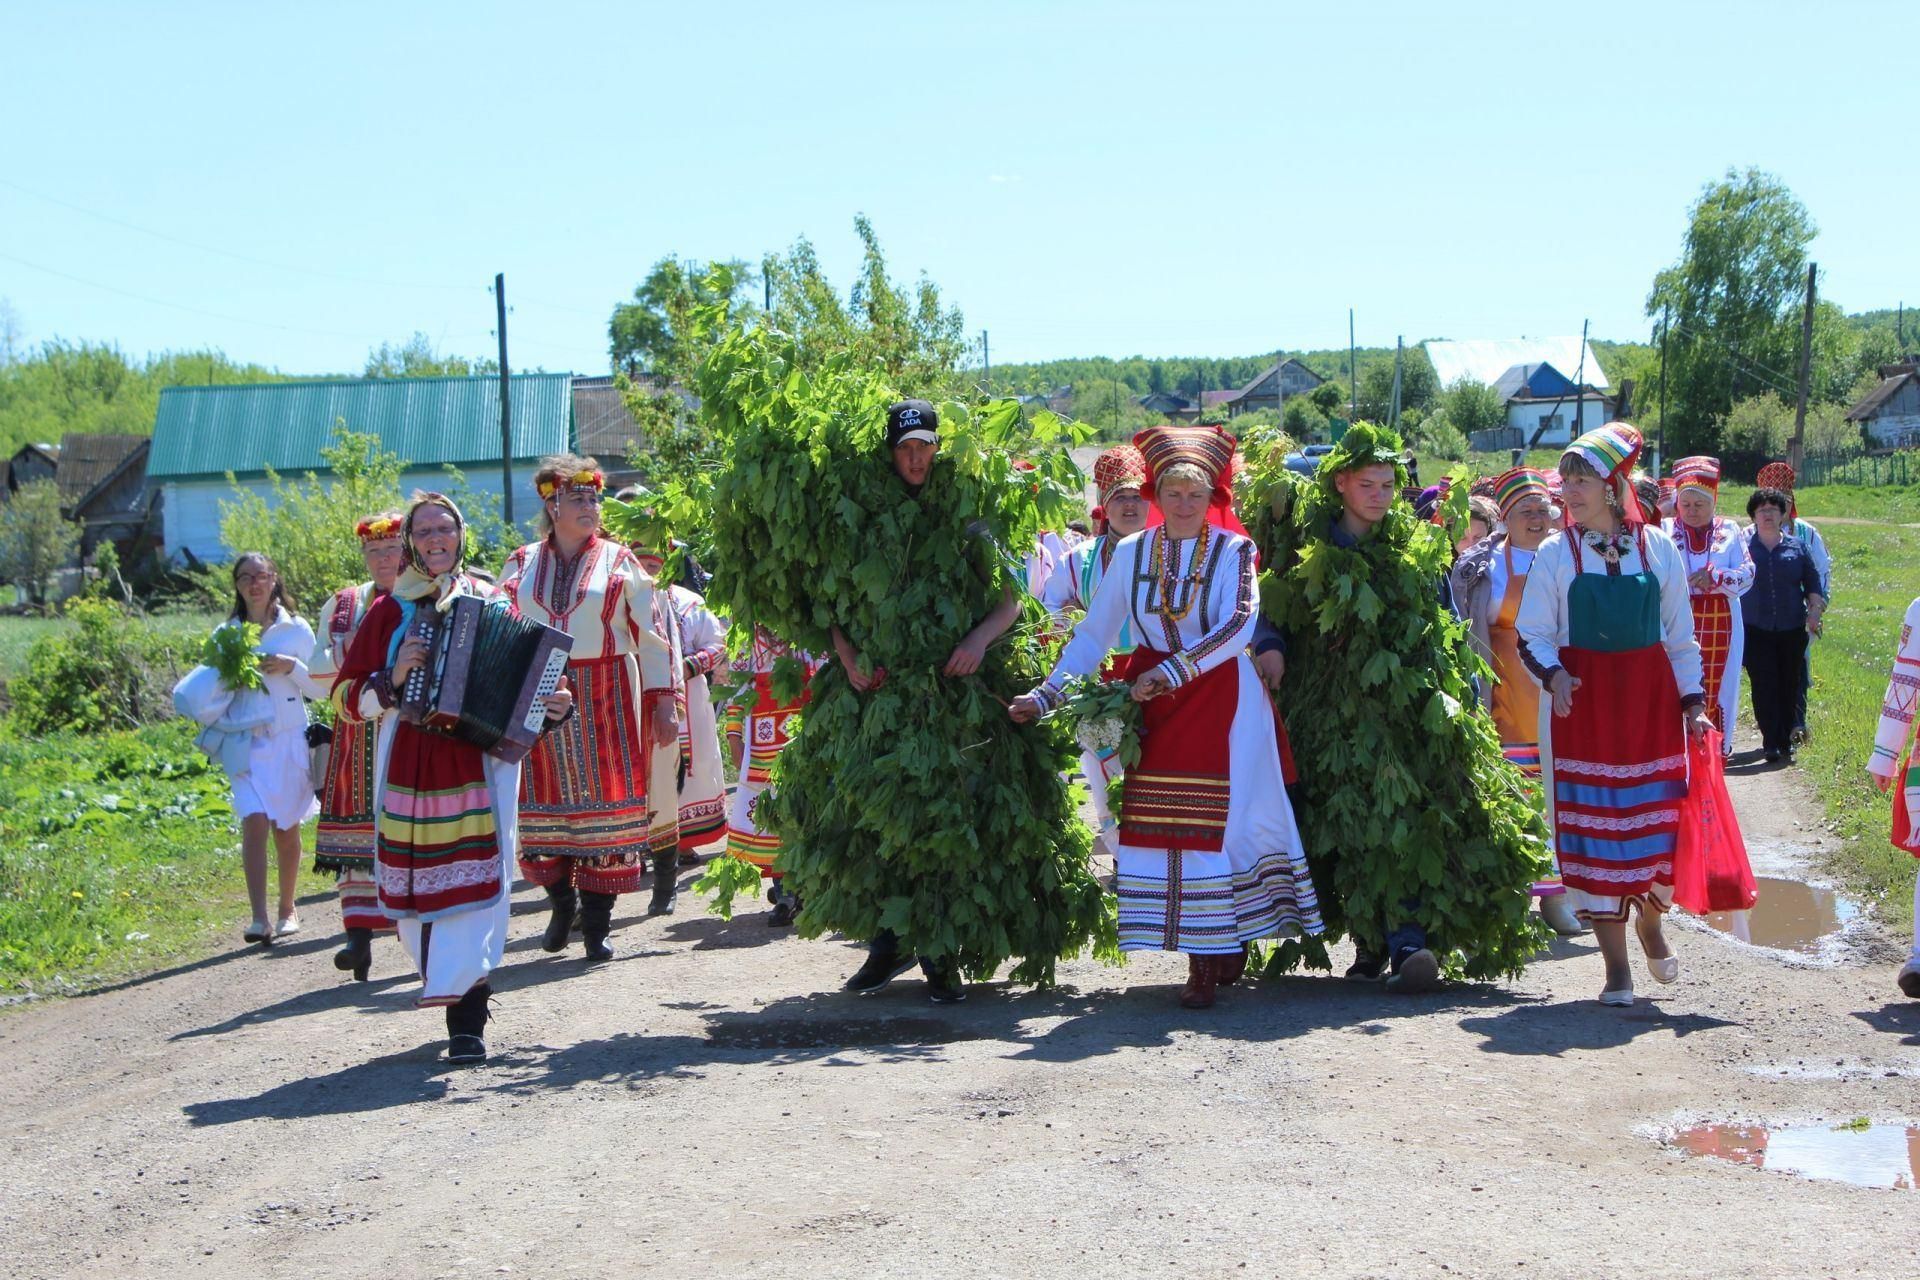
x,y
1208,855
447,812
1608,632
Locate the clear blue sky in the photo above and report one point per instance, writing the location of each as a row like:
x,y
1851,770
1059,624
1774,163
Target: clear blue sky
x,y
1173,179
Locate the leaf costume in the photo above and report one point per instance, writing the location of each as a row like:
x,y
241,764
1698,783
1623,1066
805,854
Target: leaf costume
x,y
1409,809
918,806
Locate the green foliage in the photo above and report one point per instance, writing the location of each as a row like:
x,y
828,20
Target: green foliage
x,y
230,651
918,806
92,386
656,332
109,671
1379,687
306,526
725,879
490,539
36,540
116,853
1472,406
416,358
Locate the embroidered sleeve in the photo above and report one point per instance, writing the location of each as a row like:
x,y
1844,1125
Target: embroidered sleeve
x,y
1817,548
649,633
704,638
1094,635
362,690
1733,574
1237,604
1903,697
1676,614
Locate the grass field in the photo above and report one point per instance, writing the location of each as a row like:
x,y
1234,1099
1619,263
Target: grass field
x,y
117,854
17,634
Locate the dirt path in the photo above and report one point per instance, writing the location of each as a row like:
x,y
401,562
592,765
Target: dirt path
x,y
709,1105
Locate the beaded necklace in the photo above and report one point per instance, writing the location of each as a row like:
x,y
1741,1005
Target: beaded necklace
x,y
1165,569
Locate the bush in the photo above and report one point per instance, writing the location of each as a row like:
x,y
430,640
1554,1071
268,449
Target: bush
x,y
1437,437
36,541
111,672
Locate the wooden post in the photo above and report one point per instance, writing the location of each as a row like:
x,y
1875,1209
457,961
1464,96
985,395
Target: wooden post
x,y
1353,374
1399,354
1796,449
986,362
506,400
1660,445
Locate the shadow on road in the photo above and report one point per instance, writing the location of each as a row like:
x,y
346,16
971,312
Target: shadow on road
x,y
1898,1018
1550,1030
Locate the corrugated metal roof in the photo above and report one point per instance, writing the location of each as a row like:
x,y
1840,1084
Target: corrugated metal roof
x,y
1485,359
208,431
86,460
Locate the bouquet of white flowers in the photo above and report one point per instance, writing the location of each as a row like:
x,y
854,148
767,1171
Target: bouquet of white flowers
x,y
1106,721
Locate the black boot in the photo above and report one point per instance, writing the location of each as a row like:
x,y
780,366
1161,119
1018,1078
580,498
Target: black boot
x,y
561,903
357,955
884,963
467,1026
785,906
596,922
666,883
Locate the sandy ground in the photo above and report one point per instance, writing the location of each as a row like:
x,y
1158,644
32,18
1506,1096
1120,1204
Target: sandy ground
x,y
709,1104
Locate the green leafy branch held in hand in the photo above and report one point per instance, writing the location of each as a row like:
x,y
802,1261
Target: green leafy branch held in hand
x,y
1405,802
230,651
917,806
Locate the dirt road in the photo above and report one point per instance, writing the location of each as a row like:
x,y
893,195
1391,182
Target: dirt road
x,y
708,1104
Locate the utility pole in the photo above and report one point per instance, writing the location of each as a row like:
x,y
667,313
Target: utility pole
x,y
1353,374
986,361
1660,442
1796,449
1580,388
506,400
1399,354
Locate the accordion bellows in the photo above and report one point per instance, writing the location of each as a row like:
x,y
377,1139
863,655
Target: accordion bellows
x,y
487,675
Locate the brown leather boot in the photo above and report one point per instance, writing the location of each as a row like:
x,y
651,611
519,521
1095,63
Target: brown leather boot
x,y
1228,970
1198,993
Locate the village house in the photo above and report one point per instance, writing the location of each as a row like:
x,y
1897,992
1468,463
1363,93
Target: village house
x,y
1890,413
1279,382
103,486
30,462
203,434
603,428
1554,388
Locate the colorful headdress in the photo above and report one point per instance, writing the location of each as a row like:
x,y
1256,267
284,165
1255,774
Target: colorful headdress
x,y
1121,467
1511,488
1611,451
1700,473
1779,475
1427,505
579,481
1208,448
379,528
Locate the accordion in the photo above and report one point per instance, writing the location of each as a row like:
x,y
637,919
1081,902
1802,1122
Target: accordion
x,y
487,675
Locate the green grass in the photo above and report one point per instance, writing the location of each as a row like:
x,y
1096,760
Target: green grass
x,y
17,634
117,855
1874,581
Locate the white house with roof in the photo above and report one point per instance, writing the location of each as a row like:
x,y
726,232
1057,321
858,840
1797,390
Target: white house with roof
x,y
1554,388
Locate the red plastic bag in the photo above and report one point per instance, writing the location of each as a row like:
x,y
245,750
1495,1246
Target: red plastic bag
x,y
1710,867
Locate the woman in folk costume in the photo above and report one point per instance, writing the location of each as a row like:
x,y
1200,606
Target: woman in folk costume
x,y
585,822
1118,476
703,648
1208,856
447,811
1779,475
1894,769
1607,629
1489,582
272,780
1719,572
343,843
757,732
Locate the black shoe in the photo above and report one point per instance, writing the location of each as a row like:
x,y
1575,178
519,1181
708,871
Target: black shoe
x,y
785,907
666,883
357,955
467,1026
1417,971
562,905
882,966
596,922
1791,755
1366,966
944,984
1770,756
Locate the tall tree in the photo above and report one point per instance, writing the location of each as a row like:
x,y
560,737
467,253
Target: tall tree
x,y
36,539
1732,299
417,358
655,333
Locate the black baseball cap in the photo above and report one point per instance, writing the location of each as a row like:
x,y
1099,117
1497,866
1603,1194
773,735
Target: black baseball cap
x,y
912,420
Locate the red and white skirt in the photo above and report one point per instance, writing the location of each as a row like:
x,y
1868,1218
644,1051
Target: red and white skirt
x,y
583,789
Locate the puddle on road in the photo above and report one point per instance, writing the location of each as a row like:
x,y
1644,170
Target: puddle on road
x,y
1880,1155
1790,915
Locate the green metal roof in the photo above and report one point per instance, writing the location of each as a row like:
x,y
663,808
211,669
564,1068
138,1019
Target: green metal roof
x,y
245,429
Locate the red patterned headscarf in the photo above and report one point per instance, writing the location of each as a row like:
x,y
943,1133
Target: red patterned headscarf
x,y
1121,467
1210,449
1779,475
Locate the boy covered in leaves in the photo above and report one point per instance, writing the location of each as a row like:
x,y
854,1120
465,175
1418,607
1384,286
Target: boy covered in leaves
x,y
1418,830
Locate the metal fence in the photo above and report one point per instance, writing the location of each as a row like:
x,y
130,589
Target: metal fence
x,y
1899,467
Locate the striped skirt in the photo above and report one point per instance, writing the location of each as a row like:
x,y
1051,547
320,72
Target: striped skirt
x,y
766,734
583,789
437,851
1619,765
343,840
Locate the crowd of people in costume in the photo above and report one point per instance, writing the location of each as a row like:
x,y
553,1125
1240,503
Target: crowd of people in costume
x,y
1353,720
